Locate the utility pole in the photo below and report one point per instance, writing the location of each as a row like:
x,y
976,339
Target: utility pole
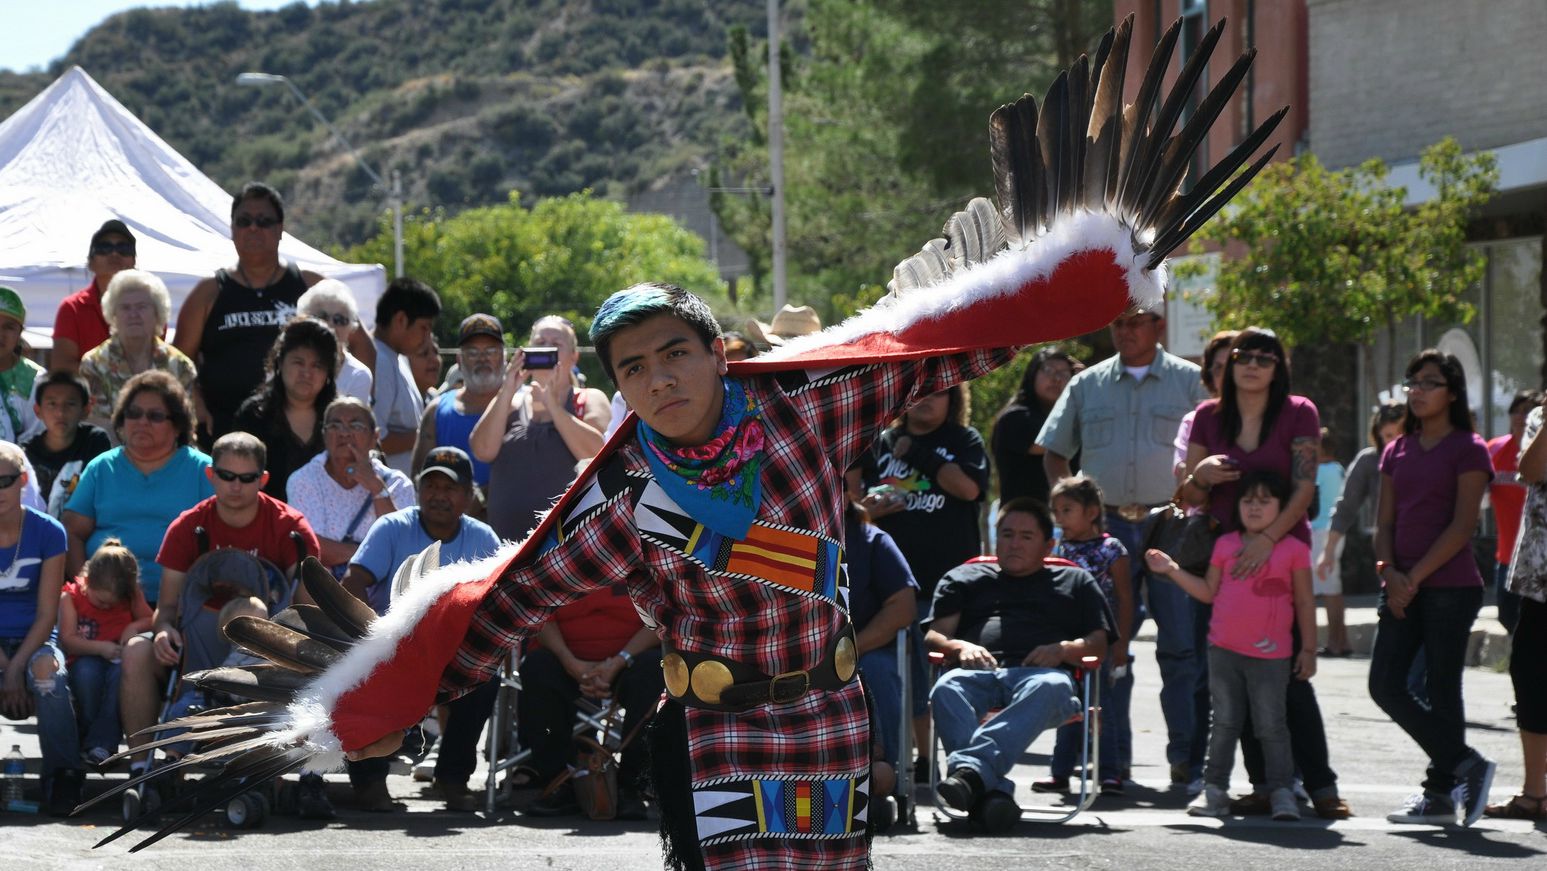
x,y
776,154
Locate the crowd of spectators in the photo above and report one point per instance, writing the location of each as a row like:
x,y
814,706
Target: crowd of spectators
x,y
329,441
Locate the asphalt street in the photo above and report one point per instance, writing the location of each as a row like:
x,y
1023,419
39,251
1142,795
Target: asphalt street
x,y
1146,829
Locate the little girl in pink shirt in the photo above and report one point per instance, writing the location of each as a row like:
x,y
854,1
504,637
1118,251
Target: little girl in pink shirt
x,y
1250,647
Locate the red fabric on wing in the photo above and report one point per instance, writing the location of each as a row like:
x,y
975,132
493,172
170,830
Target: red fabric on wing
x,y
1083,294
400,690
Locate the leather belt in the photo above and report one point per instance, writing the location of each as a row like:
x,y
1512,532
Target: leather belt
x,y
704,680
1133,512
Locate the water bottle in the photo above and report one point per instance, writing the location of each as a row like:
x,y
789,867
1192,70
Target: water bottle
x,y
15,769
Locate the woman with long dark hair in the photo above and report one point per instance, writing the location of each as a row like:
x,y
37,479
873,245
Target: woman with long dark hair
x,y
1017,456
1257,424
1432,483
286,410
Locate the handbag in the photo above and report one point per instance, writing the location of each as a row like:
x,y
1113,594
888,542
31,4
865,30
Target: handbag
x,y
1186,538
595,772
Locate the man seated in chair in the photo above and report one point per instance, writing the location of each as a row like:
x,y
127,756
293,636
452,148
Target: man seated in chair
x,y
1012,630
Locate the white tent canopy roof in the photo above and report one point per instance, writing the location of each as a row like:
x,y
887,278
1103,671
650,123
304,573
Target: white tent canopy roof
x,y
74,157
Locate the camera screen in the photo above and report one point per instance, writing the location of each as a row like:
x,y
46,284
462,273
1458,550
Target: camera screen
x,y
540,358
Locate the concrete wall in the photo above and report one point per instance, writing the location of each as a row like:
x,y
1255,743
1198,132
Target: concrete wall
x,y
1390,77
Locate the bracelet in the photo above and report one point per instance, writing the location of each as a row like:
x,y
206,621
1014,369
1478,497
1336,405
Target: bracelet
x,y
628,658
1193,480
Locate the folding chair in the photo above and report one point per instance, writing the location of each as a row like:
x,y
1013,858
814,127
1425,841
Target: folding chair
x,y
1087,679
591,718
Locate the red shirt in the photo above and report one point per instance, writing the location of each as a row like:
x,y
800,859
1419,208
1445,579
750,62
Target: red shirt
x,y
97,624
80,319
600,624
267,537
1506,493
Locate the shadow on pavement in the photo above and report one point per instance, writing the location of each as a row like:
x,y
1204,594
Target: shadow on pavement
x,y
1470,841
1310,834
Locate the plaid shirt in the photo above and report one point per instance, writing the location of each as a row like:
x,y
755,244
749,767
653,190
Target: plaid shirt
x,y
818,423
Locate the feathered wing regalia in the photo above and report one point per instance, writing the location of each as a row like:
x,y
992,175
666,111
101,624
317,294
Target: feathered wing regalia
x,y
1090,201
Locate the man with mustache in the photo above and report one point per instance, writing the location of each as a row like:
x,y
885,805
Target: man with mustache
x,y
449,419
536,431
445,489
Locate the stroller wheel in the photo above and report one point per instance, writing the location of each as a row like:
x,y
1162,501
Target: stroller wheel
x,y
247,811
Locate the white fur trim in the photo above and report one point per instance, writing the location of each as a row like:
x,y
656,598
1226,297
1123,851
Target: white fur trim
x,y
1006,272
311,712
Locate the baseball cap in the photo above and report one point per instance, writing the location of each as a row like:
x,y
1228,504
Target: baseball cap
x,y
449,461
112,226
480,325
11,306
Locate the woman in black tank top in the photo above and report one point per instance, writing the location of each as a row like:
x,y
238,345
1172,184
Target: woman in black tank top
x,y
230,321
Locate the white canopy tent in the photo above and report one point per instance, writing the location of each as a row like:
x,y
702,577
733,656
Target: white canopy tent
x,y
74,157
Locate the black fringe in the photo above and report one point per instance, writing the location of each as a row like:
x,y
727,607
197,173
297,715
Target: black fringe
x,y
670,772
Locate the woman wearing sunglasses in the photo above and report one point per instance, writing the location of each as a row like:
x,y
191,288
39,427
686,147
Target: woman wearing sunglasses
x,y
286,411
79,324
134,491
230,321
1432,481
136,306
344,489
1257,424
32,668
332,302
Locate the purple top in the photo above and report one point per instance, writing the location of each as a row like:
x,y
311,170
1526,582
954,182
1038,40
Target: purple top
x,y
1298,419
1425,483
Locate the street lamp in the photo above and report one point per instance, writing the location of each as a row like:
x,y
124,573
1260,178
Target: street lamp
x,y
394,193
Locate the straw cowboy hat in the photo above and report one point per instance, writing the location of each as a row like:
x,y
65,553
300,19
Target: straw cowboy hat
x,y
788,323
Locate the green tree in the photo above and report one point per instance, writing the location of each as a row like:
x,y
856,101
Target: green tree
x,y
562,256
1329,257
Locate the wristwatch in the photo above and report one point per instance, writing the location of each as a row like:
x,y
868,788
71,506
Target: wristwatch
x,y
628,658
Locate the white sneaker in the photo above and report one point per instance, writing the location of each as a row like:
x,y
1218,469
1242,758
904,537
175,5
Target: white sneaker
x,y
1424,809
1284,806
1212,801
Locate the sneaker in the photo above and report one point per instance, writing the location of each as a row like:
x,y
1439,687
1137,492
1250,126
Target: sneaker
x,y
1284,806
1051,784
1470,794
1213,801
96,756
64,791
1300,793
373,796
457,796
1112,786
311,798
559,803
961,789
1195,788
1424,809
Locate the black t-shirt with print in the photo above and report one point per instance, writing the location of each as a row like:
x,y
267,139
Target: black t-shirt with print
x,y
64,467
1010,616
937,531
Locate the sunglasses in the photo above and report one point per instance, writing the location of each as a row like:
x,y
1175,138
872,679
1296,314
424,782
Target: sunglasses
x,y
1259,359
1416,386
7,480
102,249
154,415
262,222
337,319
229,476
355,427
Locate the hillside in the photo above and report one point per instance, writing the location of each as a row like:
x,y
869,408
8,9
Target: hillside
x,y
468,99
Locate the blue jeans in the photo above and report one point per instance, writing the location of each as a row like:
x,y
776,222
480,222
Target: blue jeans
x,y
1181,651
1031,700
1437,627
1066,749
878,669
56,710
94,681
